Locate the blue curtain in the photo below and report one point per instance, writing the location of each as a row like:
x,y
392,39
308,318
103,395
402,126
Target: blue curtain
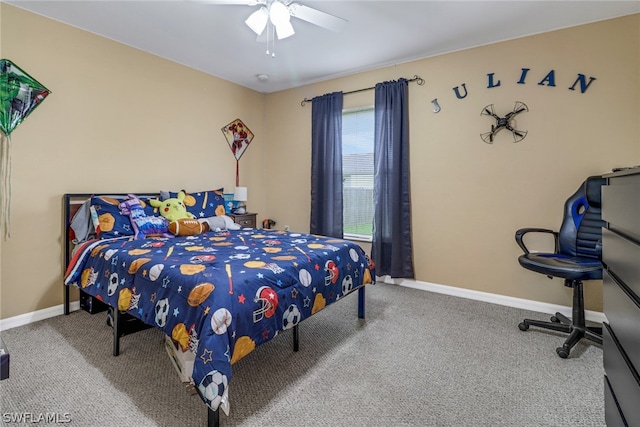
x,y
326,165
391,248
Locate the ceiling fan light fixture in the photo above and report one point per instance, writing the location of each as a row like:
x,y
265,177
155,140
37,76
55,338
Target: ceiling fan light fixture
x,y
278,13
280,18
284,30
257,21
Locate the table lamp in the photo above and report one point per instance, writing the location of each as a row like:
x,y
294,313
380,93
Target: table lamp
x,y
240,195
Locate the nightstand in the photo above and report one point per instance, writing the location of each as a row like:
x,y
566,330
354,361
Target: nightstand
x,y
246,220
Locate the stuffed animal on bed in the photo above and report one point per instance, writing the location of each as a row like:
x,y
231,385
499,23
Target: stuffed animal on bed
x,y
174,208
181,222
187,227
220,222
143,225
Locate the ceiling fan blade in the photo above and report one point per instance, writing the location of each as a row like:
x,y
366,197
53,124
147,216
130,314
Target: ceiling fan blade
x,y
317,17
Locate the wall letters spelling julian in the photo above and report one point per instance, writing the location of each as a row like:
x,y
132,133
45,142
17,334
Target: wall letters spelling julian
x,y
548,80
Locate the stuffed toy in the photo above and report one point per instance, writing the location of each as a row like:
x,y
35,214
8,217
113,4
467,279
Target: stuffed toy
x,y
181,222
142,224
174,208
220,222
187,227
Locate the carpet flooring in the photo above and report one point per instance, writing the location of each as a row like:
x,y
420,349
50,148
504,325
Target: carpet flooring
x,y
418,359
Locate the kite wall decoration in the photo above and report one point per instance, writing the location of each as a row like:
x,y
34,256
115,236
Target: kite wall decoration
x,y
20,94
239,137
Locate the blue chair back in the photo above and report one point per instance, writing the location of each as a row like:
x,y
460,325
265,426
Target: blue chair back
x,y
581,229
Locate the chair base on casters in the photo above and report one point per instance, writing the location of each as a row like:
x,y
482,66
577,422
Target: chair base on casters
x,y
576,328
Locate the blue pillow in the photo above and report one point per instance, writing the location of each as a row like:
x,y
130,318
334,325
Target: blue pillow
x,y
108,221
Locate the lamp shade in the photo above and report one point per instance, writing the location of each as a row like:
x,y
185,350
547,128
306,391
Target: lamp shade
x,y
240,194
284,30
279,16
258,20
278,13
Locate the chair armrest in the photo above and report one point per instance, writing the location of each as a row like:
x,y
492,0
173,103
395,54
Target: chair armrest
x,y
521,233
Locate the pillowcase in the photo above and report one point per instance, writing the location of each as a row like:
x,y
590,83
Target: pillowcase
x,y
203,204
107,219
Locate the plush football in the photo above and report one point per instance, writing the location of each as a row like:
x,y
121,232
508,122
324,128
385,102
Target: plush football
x,y
187,227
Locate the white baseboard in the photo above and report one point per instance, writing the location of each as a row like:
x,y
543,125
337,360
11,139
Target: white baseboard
x,y
34,316
525,304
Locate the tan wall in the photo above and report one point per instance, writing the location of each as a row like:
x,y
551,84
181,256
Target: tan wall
x,y
117,120
123,120
469,197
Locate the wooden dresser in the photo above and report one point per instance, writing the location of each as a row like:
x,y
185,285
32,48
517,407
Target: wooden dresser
x,y
621,293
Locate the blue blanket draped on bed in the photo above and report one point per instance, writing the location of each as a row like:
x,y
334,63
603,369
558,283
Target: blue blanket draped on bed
x,y
220,294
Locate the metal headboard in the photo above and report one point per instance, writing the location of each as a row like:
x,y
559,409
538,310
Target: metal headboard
x,y
71,204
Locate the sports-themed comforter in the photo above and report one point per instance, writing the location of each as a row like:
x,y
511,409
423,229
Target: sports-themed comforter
x,y
220,294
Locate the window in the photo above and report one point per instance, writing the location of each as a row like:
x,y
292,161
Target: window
x,y
357,172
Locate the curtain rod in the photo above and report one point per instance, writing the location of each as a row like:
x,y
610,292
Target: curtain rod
x,y
415,78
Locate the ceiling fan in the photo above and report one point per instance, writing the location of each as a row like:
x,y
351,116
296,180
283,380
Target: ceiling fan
x,y
279,13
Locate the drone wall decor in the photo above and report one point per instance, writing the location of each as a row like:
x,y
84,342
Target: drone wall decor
x,y
504,122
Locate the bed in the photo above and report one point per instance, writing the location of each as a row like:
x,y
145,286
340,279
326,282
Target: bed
x,y
220,293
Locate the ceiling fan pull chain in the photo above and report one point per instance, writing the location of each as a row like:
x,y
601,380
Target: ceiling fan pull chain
x,y
271,40
268,34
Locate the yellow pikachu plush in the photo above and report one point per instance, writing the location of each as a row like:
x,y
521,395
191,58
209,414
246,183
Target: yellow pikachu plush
x,y
172,209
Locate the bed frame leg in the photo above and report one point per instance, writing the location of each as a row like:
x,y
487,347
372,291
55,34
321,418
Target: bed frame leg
x,y
67,246
296,338
213,417
361,303
66,299
116,330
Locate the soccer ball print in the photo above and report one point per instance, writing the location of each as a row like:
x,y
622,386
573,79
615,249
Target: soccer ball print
x,y
291,317
212,388
162,309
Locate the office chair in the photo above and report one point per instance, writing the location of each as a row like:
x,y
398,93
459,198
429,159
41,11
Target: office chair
x,y
577,257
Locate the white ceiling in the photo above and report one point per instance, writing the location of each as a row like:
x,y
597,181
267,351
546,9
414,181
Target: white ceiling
x,y
214,39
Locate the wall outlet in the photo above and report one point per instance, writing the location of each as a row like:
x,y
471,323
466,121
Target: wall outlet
x,y
286,228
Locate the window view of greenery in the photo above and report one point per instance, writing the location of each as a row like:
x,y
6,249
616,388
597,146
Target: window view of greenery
x,y
357,171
